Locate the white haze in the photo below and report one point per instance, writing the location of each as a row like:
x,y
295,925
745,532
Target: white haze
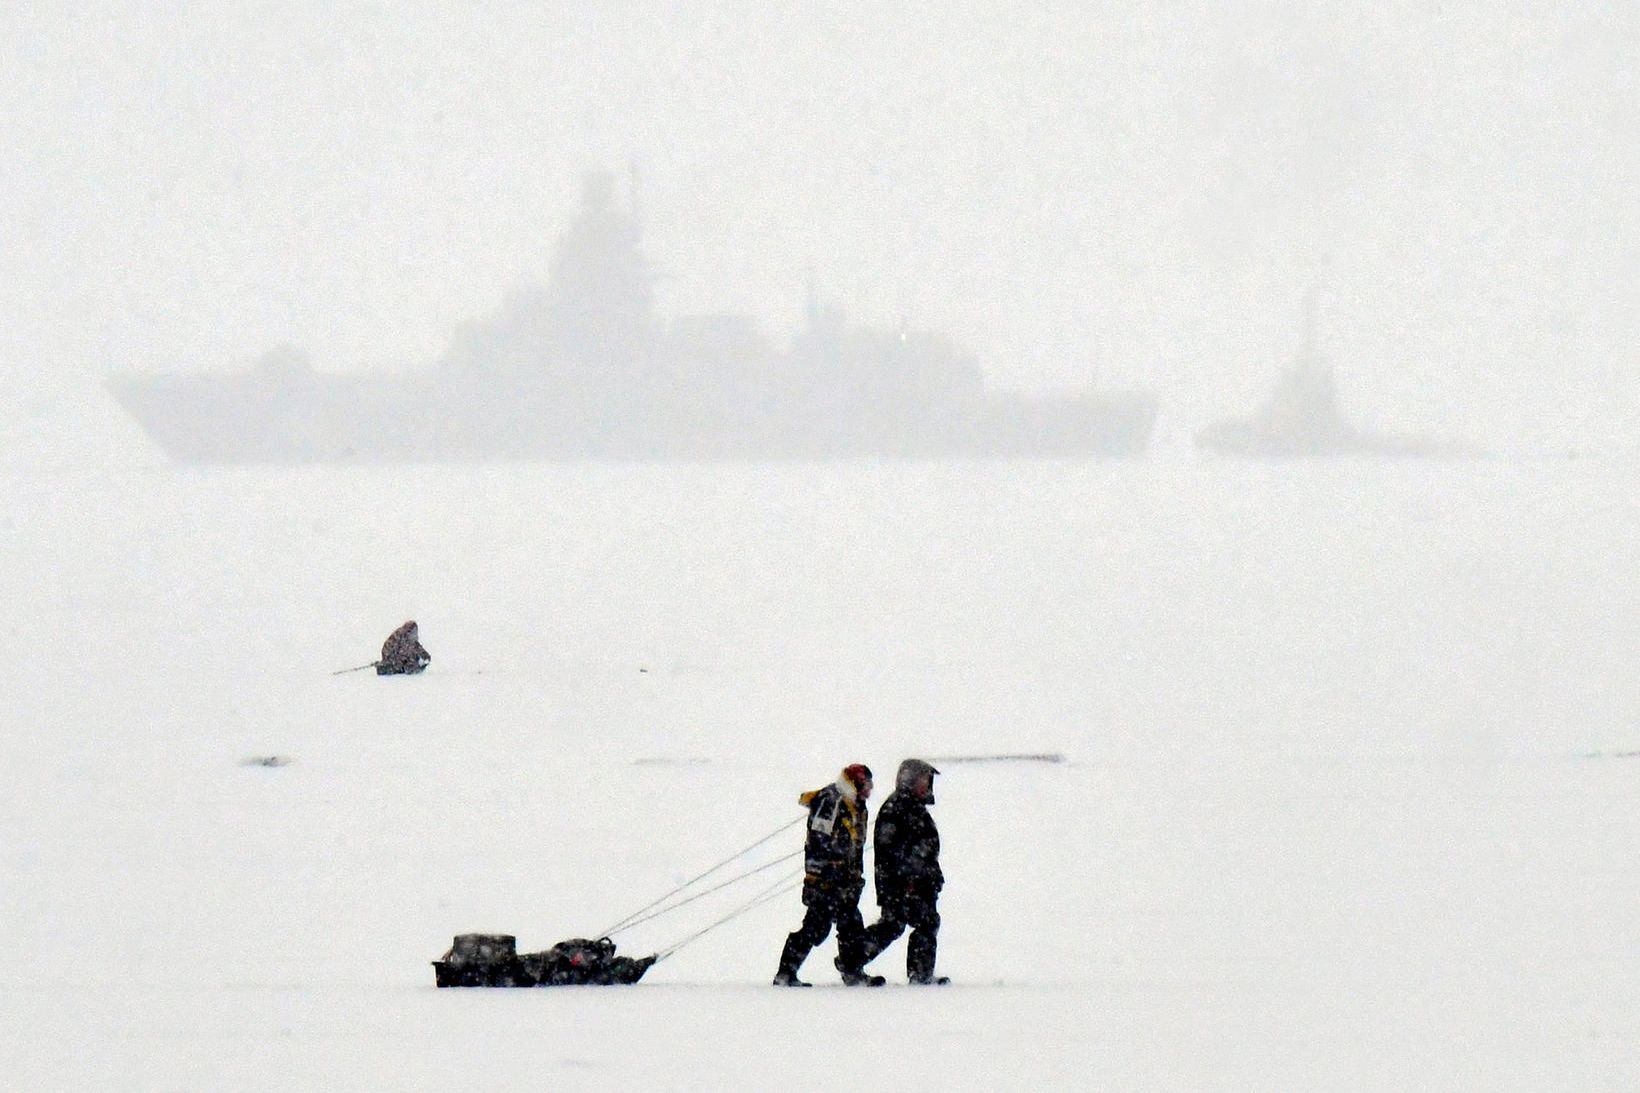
x,y
1347,798
1135,193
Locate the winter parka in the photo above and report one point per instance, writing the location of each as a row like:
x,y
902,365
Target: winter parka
x,y
907,846
834,853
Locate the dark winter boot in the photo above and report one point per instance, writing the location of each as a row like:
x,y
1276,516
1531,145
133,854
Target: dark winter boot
x,y
855,977
853,950
932,981
791,958
919,959
869,947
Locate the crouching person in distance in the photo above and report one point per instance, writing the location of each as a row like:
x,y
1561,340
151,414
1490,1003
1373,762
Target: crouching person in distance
x,y
908,875
402,654
834,877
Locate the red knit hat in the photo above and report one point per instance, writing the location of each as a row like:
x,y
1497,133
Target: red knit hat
x,y
858,774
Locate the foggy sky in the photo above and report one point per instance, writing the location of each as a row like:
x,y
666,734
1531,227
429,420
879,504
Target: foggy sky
x,y
1139,194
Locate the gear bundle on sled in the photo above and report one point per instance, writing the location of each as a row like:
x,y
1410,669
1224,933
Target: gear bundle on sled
x,y
493,960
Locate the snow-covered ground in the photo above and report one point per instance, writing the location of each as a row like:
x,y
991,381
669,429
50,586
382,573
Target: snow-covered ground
x,y
1326,816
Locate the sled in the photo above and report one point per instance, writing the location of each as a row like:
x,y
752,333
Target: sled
x,y
493,960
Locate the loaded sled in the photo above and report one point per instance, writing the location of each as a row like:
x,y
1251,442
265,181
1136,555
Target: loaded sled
x,y
493,960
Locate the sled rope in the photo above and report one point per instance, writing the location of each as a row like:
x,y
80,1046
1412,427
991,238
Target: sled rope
x,y
630,919
715,888
780,887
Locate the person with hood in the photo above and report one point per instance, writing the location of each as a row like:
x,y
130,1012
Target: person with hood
x,y
833,878
402,654
907,873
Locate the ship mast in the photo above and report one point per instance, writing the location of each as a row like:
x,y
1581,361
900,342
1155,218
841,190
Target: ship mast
x,y
634,195
1308,349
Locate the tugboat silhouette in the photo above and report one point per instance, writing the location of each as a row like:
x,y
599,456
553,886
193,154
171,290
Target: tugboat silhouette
x,y
1301,418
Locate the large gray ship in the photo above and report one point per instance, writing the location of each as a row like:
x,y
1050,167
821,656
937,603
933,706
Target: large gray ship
x,y
583,369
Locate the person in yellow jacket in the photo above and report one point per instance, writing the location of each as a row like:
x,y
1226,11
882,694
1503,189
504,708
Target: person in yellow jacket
x,y
833,879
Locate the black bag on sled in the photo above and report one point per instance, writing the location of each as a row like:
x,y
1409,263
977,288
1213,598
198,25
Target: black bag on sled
x,y
493,960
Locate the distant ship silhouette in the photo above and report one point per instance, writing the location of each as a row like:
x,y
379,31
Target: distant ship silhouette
x,y
582,369
1302,419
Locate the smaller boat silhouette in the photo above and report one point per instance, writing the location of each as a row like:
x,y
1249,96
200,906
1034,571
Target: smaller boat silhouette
x,y
1302,419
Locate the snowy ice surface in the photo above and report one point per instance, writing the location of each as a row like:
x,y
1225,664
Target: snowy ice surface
x,y
1327,817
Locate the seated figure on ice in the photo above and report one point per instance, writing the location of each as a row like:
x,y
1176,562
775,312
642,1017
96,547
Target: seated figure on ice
x,y
402,654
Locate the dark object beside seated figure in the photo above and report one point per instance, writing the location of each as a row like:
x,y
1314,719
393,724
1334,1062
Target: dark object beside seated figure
x,y
493,960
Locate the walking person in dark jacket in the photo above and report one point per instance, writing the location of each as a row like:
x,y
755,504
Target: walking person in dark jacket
x,y
402,654
834,877
908,875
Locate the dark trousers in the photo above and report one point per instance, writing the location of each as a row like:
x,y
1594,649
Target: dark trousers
x,y
924,920
826,908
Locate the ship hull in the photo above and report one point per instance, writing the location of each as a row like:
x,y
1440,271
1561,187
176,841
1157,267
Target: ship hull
x,y
1252,440
314,419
